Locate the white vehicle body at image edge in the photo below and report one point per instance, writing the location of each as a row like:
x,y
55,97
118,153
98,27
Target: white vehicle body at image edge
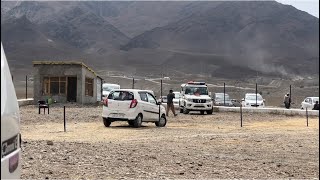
x,y
250,100
190,102
10,125
309,102
140,102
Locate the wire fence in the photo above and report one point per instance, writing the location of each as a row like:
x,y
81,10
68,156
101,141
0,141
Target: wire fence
x,y
273,93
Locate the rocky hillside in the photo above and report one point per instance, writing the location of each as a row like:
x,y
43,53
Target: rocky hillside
x,y
225,39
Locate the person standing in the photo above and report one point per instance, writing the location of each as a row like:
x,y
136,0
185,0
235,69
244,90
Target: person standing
x,y
316,106
287,100
170,105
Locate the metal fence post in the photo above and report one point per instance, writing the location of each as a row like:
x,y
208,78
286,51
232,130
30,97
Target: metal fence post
x,y
224,94
161,89
133,83
26,87
256,94
64,118
307,117
240,115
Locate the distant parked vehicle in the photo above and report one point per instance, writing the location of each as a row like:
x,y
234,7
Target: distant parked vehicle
x,y
221,99
107,88
253,100
236,102
134,106
309,102
176,99
163,99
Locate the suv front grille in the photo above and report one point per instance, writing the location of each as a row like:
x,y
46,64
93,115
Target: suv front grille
x,y
199,100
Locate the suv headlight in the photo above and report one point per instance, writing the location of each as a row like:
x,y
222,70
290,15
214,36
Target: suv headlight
x,y
190,100
247,104
209,100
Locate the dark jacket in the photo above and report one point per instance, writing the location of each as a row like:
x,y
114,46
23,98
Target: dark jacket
x,y
170,98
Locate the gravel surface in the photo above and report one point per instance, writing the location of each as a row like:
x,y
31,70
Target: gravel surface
x,y
190,146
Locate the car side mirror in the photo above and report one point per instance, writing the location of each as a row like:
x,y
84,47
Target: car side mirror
x,y
210,94
264,100
242,99
158,103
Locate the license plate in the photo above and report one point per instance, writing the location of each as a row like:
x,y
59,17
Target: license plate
x,y
117,115
9,146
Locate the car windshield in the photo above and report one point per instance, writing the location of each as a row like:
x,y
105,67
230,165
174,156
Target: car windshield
x,y
192,90
253,97
110,88
220,97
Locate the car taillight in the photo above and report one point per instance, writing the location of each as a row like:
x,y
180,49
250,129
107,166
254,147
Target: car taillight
x,y
134,103
13,162
105,102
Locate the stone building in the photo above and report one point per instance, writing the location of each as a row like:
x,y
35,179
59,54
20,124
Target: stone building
x,y
66,82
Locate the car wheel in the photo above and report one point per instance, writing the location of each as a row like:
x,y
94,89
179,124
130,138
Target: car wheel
x,y
138,121
162,122
185,110
202,112
106,122
210,111
131,123
181,110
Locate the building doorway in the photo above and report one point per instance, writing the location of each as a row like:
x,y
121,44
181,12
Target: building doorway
x,y
72,89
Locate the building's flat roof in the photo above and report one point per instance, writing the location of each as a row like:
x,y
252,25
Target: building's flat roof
x,y
63,63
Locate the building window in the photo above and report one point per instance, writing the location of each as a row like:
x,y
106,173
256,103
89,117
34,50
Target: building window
x,y
54,85
89,87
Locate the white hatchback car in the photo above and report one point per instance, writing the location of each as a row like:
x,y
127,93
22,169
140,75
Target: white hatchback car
x,y
134,106
309,102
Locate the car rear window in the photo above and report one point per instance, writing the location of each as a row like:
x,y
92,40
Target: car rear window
x,y
121,95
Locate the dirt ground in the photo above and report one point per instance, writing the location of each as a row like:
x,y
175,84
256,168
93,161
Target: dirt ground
x,y
190,146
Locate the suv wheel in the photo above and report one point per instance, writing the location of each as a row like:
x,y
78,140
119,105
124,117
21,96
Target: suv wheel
x,y
106,122
185,110
138,121
162,122
181,110
210,111
131,123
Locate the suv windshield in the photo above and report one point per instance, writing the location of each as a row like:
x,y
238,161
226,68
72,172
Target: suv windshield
x,y
192,90
121,96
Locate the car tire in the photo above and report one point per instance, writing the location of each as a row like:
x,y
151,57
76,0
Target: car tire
x,y
185,110
162,122
202,112
106,122
138,121
181,110
210,111
131,123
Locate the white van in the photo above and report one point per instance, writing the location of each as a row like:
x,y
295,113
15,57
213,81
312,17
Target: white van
x,y
10,125
107,87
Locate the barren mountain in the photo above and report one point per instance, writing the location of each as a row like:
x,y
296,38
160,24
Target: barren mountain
x,y
266,36
220,38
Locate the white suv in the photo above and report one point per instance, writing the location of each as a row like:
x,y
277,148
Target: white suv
x,y
134,106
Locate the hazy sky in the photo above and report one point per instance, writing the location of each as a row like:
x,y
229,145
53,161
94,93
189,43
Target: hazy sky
x,y
309,6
